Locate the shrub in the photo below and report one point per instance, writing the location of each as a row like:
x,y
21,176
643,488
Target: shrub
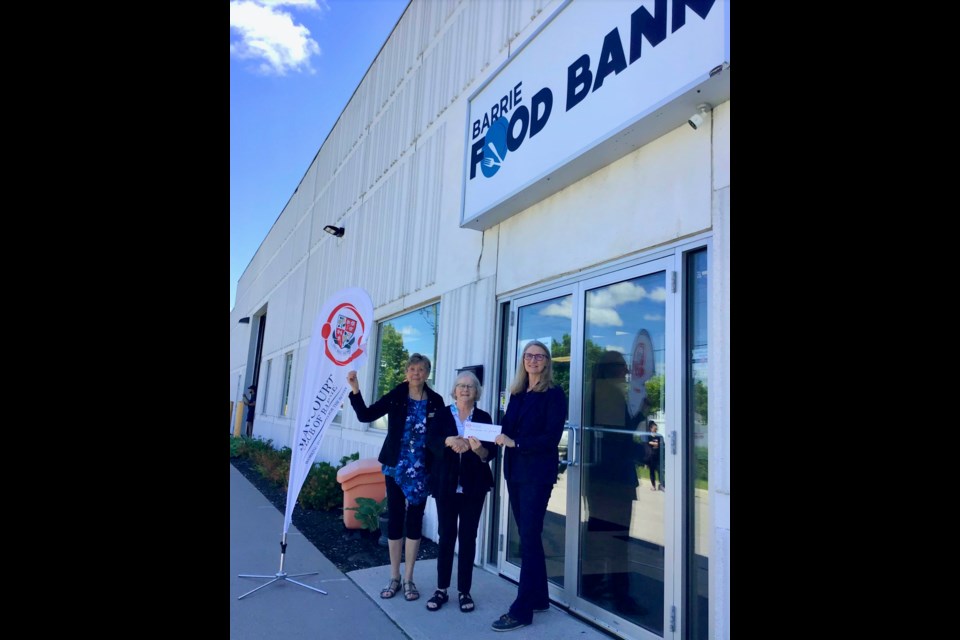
x,y
321,490
368,512
247,447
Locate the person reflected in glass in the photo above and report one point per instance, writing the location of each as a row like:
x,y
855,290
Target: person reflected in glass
x,y
654,443
461,479
530,436
413,411
250,402
611,484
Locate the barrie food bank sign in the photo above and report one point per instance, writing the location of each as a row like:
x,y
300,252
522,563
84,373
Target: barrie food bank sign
x,y
593,73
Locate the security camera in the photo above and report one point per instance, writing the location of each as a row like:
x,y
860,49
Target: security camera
x,y
697,119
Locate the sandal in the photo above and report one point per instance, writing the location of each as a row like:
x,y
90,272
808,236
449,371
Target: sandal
x,y
391,589
410,591
466,603
438,600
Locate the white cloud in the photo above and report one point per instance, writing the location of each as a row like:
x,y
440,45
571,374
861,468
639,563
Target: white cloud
x,y
306,4
562,310
653,317
270,37
602,304
604,317
658,295
409,332
617,294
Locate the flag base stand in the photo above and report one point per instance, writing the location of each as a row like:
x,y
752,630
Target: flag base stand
x,y
281,575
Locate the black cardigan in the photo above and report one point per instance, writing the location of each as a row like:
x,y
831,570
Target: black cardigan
x,y
393,404
473,474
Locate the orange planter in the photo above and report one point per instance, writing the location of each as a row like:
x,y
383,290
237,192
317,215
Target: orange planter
x,y
360,479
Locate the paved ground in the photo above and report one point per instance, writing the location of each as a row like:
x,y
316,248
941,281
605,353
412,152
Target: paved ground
x,y
352,607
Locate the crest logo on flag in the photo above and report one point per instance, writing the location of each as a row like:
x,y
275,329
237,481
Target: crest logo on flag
x,y
343,334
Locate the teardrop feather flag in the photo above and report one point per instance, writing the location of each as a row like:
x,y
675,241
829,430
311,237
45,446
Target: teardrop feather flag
x,y
338,343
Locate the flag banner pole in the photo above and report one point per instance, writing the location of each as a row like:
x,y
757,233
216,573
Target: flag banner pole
x,y
338,343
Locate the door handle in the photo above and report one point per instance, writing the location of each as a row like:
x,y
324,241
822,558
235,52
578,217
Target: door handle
x,y
571,460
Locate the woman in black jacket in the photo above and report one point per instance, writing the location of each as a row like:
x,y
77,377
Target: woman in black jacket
x,y
532,427
412,409
461,479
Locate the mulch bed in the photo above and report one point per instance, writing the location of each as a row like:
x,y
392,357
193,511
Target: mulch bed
x,y
348,549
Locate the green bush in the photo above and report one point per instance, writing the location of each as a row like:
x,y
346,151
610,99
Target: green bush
x,y
320,490
246,447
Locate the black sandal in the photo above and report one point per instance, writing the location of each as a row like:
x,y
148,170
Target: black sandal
x,y
466,603
391,589
438,599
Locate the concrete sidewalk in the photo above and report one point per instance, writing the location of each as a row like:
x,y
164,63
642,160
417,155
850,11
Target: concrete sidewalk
x,y
352,607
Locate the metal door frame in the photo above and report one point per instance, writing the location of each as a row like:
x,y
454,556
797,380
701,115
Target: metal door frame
x,y
669,263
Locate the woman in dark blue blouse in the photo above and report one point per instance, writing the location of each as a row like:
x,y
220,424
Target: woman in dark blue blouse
x,y
413,411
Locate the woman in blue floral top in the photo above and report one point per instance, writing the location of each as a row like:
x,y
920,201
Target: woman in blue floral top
x,y
413,411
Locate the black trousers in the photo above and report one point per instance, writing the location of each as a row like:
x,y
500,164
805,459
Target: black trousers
x,y
450,509
654,466
402,515
529,505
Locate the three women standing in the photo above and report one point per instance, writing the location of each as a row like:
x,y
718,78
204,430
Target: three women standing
x,y
425,443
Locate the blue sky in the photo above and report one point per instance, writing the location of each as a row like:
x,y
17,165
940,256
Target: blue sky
x,y
294,64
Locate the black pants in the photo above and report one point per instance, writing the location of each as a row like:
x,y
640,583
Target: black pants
x,y
529,505
402,515
654,467
450,509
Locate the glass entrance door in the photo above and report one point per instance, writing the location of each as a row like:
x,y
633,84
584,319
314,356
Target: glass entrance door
x,y
622,543
610,524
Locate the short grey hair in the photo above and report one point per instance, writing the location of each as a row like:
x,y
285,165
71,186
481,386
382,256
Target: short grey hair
x,y
418,358
472,377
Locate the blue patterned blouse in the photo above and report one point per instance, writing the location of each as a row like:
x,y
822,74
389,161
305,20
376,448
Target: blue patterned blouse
x,y
410,472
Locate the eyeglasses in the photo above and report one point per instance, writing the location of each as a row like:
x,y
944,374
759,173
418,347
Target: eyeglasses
x,y
539,357
465,386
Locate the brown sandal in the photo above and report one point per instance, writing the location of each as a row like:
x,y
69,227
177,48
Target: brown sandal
x,y
410,591
391,589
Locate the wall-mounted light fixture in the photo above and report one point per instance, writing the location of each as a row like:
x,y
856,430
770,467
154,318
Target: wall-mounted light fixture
x,y
697,119
334,231
245,320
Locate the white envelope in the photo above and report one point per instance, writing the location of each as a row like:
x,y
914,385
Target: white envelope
x,y
481,431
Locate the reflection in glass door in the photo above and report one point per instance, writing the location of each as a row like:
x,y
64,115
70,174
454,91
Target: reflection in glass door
x,y
622,524
550,322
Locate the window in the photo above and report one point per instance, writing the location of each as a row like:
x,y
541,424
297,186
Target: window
x,y
287,372
266,389
398,339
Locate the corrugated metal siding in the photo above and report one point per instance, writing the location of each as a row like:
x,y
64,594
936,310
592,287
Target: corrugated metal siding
x,y
466,337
